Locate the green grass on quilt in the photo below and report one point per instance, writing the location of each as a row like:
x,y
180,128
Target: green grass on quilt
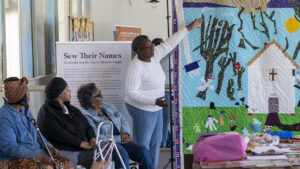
x,y
195,118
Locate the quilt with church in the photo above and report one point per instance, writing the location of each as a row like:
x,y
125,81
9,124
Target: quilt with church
x,y
240,71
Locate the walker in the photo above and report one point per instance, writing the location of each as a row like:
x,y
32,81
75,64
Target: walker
x,y
105,152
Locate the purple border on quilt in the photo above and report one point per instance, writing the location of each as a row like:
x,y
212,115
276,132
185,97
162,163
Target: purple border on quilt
x,y
281,4
203,4
175,93
271,4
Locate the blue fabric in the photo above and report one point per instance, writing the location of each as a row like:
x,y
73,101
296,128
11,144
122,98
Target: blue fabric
x,y
116,130
191,66
114,115
19,138
134,151
147,129
166,122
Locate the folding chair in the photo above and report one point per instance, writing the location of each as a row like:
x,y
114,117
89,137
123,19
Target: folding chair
x,y
104,147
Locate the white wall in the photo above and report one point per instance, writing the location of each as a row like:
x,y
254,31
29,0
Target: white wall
x,y
153,20
107,13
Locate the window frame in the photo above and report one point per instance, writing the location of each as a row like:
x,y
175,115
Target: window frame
x,y
37,27
273,75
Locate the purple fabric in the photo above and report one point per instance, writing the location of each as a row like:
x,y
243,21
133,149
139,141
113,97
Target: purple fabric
x,y
271,4
281,4
202,4
272,119
219,148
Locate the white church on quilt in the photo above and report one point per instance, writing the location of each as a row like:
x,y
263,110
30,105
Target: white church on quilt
x,y
271,79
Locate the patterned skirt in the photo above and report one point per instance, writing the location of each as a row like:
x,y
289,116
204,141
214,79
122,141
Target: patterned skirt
x,y
30,163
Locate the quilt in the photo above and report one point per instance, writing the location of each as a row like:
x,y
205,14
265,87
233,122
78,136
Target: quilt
x,y
239,71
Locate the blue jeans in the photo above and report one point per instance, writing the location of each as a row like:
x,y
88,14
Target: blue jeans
x,y
166,122
135,152
147,129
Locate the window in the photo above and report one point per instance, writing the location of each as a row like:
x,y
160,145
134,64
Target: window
x,y
12,60
272,74
28,44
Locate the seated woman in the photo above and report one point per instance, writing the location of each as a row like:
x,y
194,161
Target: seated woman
x,y
19,138
65,126
96,111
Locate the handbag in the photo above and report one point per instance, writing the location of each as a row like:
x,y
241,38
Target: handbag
x,y
220,147
105,162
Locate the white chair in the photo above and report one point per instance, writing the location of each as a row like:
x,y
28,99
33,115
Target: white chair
x,y
134,165
105,146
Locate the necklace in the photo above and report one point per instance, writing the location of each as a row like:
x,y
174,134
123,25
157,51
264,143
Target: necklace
x,y
99,111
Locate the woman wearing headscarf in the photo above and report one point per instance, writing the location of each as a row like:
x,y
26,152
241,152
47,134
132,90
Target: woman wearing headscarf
x,y
97,111
145,88
19,138
65,126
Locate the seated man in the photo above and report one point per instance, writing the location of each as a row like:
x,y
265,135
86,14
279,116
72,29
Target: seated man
x,y
97,111
65,126
18,136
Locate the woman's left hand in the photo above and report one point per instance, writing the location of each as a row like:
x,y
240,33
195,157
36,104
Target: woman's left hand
x,y
93,142
161,102
125,138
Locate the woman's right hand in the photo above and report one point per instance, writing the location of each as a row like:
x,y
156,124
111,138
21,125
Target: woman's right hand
x,y
54,151
194,24
85,145
44,158
161,102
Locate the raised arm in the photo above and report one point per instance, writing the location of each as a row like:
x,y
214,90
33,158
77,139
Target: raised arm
x,y
169,44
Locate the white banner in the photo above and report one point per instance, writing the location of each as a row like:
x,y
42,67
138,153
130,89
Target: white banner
x,y
103,63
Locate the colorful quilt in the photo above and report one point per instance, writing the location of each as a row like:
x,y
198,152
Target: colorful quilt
x,y
239,71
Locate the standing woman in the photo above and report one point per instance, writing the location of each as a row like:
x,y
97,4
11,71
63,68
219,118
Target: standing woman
x,y
145,88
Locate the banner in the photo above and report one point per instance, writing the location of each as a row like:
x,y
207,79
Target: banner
x,y
127,33
103,63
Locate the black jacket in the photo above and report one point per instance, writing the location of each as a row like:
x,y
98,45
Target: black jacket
x,y
65,132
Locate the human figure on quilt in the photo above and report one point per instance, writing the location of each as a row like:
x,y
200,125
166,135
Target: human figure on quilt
x,y
19,139
210,123
97,111
273,120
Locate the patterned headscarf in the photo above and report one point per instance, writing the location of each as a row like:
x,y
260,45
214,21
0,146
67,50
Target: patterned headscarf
x,y
13,91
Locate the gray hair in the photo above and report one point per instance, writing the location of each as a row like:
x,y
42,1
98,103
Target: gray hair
x,y
85,95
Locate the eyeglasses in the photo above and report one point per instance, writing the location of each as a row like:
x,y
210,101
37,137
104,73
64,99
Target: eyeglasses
x,y
98,95
147,47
